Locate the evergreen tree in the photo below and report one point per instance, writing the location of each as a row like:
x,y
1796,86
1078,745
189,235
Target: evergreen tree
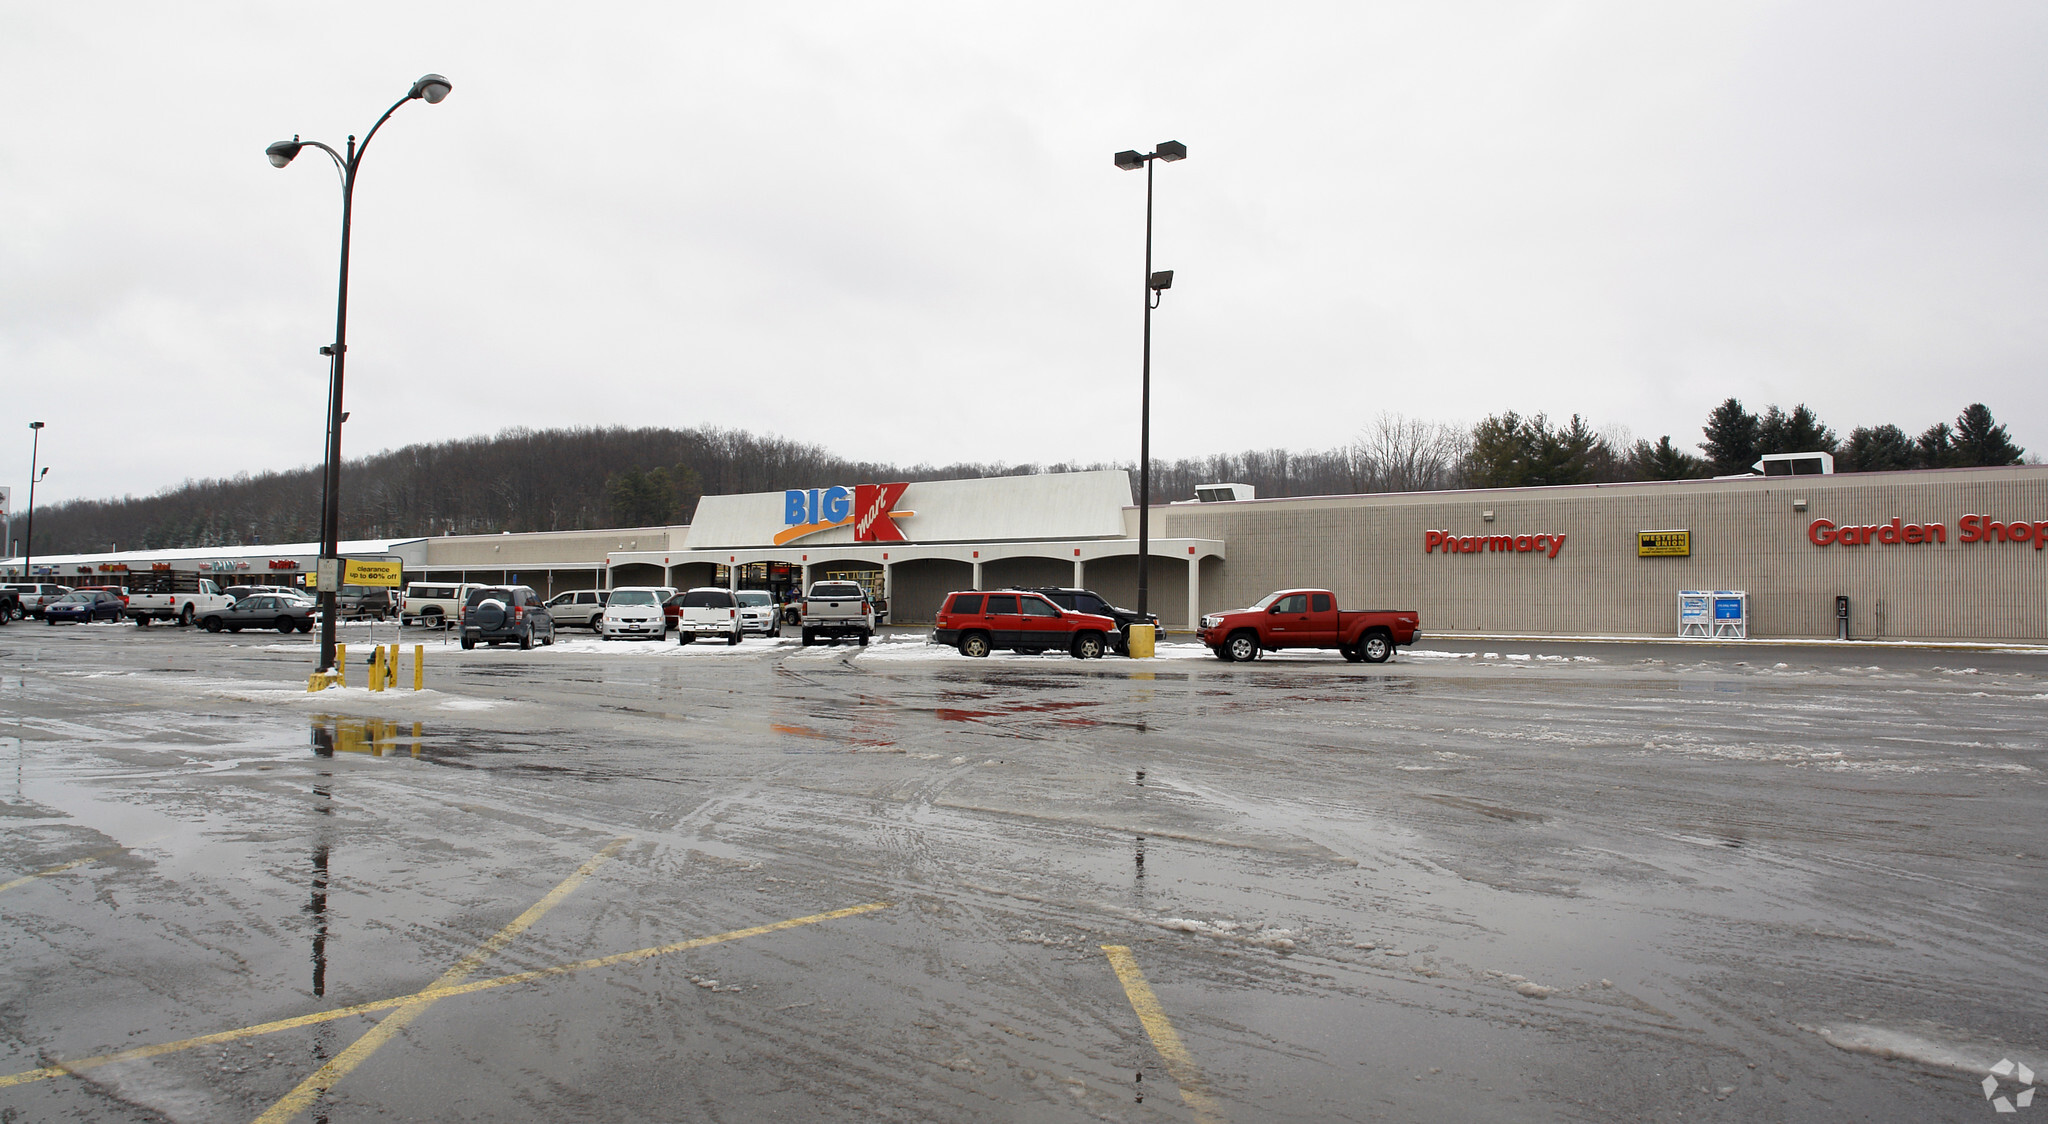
x,y
641,499
1510,451
1663,461
1937,446
1797,432
1883,448
1981,441
1731,439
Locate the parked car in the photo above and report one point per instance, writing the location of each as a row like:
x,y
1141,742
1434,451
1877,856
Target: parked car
x,y
502,614
637,612
1308,618
976,622
35,595
434,604
759,613
237,592
359,602
83,606
181,596
710,611
832,609
280,611
10,605
1088,601
581,608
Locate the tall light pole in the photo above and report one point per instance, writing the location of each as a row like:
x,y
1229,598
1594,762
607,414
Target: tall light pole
x,y
28,546
431,89
1155,283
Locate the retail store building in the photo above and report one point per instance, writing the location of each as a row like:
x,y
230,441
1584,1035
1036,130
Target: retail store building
x,y
1952,554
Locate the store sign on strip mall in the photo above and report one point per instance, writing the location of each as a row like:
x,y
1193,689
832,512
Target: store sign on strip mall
x,y
869,508
1452,543
1663,544
1969,529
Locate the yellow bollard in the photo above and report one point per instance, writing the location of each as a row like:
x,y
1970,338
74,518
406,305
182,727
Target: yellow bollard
x,y
419,672
376,682
341,665
1141,641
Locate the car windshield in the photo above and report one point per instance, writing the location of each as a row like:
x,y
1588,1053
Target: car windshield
x,y
1268,599
634,597
76,597
755,597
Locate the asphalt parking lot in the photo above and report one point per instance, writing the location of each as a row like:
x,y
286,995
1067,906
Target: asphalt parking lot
x,y
1487,880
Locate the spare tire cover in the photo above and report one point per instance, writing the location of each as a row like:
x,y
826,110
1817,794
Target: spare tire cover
x,y
490,614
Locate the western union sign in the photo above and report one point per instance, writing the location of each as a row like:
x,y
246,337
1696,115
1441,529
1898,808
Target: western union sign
x,y
369,573
1663,544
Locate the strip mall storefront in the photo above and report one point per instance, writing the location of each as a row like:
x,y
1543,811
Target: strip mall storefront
x,y
914,543
1954,554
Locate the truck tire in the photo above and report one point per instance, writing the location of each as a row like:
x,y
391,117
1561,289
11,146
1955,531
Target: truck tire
x,y
1350,652
810,638
468,643
684,636
142,620
974,644
1088,646
430,618
733,639
526,640
185,618
1242,647
863,639
1377,647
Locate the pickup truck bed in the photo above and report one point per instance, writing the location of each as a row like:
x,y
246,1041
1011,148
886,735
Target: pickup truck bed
x,y
835,609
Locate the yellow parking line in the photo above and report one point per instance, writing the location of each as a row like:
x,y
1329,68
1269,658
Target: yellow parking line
x,y
374,1006
1180,1065
390,1025
59,869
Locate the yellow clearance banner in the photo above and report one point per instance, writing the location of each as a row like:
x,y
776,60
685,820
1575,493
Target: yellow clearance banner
x,y
1663,544
369,573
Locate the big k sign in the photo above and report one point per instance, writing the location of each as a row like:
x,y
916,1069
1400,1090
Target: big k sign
x,y
869,507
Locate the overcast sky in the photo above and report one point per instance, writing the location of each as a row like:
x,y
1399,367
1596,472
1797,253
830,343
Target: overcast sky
x,y
897,230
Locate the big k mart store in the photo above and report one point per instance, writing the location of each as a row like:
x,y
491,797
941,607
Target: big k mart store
x,y
1953,554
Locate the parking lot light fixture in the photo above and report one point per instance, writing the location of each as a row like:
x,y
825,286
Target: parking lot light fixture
x,y
28,542
430,88
1155,284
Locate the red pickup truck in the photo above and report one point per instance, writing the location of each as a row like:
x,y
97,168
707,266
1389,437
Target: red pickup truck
x,y
1308,618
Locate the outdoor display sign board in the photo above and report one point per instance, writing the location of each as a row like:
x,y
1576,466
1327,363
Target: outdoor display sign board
x,y
355,572
1695,613
1731,614
1663,544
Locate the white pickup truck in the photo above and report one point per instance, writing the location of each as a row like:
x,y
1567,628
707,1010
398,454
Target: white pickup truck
x,y
833,609
181,596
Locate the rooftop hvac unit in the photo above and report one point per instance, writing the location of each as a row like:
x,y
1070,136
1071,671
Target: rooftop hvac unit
x,y
1223,493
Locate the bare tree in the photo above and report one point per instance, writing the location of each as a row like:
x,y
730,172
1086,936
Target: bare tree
x,y
1399,454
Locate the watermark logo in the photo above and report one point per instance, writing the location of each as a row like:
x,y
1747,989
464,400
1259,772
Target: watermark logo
x,y
2006,1067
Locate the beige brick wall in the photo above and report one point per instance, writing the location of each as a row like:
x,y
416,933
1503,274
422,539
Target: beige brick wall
x,y
1745,535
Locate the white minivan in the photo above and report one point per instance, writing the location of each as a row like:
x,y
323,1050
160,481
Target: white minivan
x,y
635,612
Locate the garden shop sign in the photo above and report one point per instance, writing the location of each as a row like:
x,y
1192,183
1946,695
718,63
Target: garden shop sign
x,y
1969,529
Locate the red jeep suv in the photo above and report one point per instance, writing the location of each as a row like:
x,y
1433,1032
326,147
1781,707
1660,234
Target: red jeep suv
x,y
1027,623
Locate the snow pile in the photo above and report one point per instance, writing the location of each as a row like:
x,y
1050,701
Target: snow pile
x,y
1243,932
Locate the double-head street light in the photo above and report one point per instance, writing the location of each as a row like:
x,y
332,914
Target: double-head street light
x,y
28,547
431,89
1155,284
